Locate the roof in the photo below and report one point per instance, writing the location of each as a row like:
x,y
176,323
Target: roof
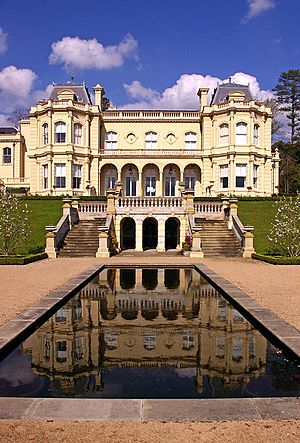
x,y
8,130
80,91
222,91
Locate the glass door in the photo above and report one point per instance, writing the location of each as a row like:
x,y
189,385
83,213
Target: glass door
x,y
170,184
150,184
130,186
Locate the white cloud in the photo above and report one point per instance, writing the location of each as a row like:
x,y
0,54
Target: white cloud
x,y
256,7
17,90
3,41
183,95
74,52
4,120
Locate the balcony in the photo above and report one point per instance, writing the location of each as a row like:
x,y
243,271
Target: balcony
x,y
150,153
151,115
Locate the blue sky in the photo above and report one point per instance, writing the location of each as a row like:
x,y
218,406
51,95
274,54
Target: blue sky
x,y
145,53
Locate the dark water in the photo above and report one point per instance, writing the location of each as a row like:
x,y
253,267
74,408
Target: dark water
x,y
148,333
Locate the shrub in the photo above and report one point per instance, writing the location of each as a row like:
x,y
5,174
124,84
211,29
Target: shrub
x,y
277,260
285,229
21,259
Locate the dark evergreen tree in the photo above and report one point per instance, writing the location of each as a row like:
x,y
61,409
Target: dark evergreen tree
x,y
287,92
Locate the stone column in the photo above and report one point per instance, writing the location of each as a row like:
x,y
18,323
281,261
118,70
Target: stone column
x,y
50,242
161,184
103,251
161,235
87,131
196,251
111,207
139,235
248,247
140,184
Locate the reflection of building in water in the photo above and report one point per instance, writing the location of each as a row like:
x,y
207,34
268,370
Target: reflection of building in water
x,y
147,318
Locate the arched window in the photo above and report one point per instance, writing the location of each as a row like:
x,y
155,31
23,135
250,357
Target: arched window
x,y
111,140
151,140
60,132
77,134
190,140
255,134
241,133
45,134
6,155
224,134
110,179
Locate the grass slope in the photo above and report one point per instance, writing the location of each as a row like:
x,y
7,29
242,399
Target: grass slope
x,y
260,215
41,214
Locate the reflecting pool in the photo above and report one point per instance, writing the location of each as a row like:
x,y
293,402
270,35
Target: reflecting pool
x,y
148,333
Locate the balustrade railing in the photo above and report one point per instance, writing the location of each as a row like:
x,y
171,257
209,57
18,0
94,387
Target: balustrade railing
x,y
208,207
150,202
92,207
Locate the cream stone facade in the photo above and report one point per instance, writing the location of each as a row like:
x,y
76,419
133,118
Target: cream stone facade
x,y
69,146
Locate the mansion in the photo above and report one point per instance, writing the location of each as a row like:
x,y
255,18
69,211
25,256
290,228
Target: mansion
x,y
69,145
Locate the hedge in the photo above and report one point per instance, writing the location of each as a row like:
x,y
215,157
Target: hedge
x,y
277,260
61,197
21,259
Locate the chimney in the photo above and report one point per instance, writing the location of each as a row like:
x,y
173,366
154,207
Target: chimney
x,y
99,92
203,97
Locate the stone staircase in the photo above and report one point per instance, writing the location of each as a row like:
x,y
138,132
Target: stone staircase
x,y
82,240
217,239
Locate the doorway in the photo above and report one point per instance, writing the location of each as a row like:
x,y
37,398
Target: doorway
x,y
172,231
127,233
150,233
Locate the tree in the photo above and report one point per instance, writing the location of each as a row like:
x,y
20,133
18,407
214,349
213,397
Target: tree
x,y
285,229
17,115
276,123
14,223
287,92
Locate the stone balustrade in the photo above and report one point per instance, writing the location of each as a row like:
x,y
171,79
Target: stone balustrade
x,y
90,209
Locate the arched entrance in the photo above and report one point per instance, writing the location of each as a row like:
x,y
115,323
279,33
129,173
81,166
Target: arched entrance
x,y
172,230
150,233
127,233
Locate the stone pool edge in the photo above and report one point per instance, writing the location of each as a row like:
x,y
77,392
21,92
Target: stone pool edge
x,y
145,410
283,408
12,332
277,330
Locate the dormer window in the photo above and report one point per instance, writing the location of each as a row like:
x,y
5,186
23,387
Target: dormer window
x,y
60,132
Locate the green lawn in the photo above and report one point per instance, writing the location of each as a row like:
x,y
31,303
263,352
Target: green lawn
x,y
260,215
41,214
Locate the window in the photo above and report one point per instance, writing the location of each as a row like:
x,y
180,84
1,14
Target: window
x,y
170,184
45,176
6,155
240,175
78,348
111,339
61,315
60,132
45,134
77,176
224,134
47,348
150,183
255,176
189,182
60,175
130,186
77,310
224,176
241,133
188,340
111,178
149,339
61,351
190,140
111,140
255,134
237,349
251,346
222,308
220,347
236,316
77,134
151,140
